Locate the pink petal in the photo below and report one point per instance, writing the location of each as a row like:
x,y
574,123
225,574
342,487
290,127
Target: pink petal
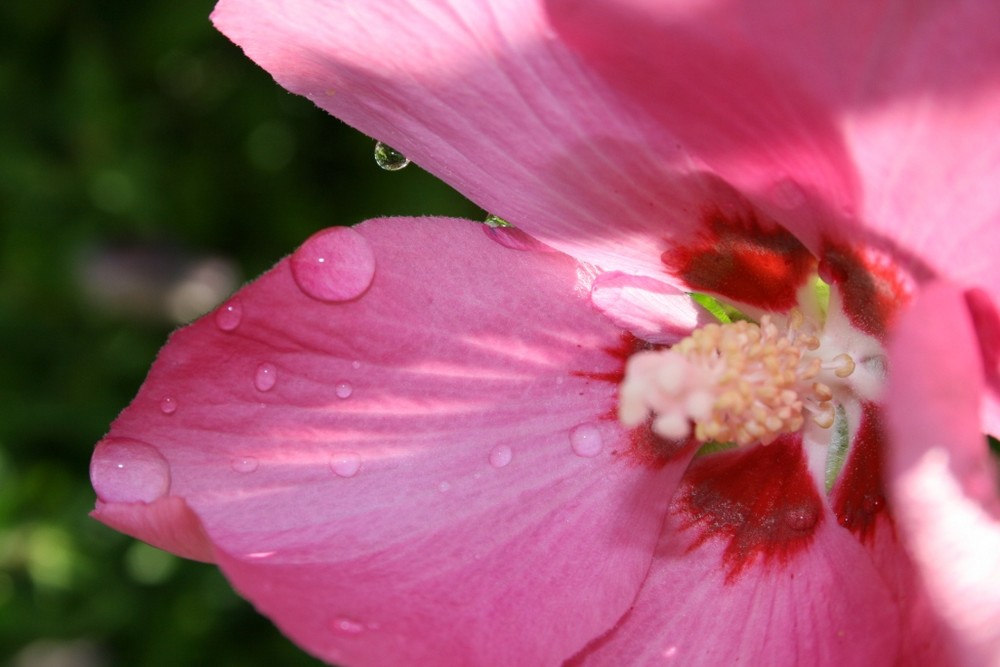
x,y
787,602
654,311
425,474
699,73
485,97
942,479
885,112
167,523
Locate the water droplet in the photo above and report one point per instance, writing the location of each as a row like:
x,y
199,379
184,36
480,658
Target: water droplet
x,y
229,315
244,464
333,265
389,158
344,390
444,487
586,440
265,377
501,456
349,627
496,221
355,364
802,517
124,470
345,464
168,405
514,238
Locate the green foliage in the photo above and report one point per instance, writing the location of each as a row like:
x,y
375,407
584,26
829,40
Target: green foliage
x,y
134,124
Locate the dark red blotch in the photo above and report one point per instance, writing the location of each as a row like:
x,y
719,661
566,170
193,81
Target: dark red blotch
x,y
645,447
859,496
738,257
873,292
762,501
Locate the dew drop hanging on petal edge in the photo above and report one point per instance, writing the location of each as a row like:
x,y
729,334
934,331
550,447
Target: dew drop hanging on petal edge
x,y
389,158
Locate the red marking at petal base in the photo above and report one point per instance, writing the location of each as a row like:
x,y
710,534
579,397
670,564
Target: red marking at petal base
x,y
873,289
628,344
986,321
738,257
761,500
648,449
859,496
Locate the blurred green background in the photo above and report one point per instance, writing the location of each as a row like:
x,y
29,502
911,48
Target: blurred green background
x,y
146,169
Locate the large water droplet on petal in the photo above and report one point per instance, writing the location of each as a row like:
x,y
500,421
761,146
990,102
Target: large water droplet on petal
x,y
586,440
265,377
389,158
124,470
501,456
229,315
344,390
244,464
345,464
334,265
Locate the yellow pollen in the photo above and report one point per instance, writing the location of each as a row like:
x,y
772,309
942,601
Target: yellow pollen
x,y
737,382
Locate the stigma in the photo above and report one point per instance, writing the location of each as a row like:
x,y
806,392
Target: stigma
x,y
736,382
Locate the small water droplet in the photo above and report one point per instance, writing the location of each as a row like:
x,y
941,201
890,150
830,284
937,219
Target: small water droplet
x,y
389,158
265,377
124,470
344,390
168,405
229,315
333,265
802,517
496,221
355,364
348,627
444,487
586,440
345,464
501,456
244,464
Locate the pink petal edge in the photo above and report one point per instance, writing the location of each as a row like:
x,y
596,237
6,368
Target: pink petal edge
x,y
429,474
943,481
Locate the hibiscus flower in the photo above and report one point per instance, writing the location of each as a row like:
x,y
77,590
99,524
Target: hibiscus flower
x,y
436,442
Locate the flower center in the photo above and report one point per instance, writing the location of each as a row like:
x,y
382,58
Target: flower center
x,y
737,382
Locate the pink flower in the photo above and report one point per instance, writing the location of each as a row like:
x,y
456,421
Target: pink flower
x,y
414,442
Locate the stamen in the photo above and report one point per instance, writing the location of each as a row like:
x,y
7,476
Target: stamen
x,y
735,382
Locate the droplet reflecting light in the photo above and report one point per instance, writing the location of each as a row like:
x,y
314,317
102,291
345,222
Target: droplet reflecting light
x,y
345,464
245,464
265,377
229,315
124,470
586,440
344,390
349,627
333,265
168,405
501,456
389,158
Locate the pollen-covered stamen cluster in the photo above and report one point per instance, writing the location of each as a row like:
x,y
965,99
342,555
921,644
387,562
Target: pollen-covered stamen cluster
x,y
736,382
